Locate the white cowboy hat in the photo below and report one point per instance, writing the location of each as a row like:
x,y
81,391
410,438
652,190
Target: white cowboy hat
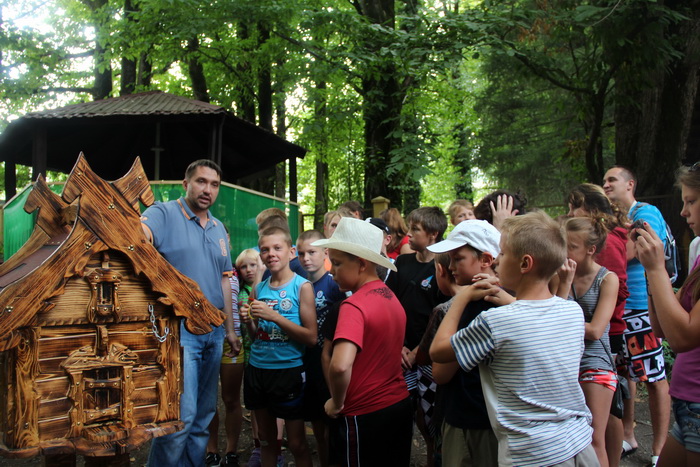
x,y
358,238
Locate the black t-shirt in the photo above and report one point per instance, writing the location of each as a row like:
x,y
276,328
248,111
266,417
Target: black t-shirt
x,y
462,398
416,288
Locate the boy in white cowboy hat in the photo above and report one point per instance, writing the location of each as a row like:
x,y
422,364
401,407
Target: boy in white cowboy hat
x,y
369,396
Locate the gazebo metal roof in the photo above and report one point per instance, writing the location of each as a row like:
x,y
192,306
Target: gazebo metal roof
x,y
166,131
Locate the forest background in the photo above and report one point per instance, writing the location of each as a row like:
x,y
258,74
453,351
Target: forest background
x,y
418,101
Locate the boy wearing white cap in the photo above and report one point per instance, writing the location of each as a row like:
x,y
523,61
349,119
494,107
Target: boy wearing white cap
x,y
467,437
369,397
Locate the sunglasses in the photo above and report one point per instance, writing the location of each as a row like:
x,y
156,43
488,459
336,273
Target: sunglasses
x,y
694,167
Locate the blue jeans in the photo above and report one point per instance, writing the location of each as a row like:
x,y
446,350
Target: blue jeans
x,y
686,430
201,360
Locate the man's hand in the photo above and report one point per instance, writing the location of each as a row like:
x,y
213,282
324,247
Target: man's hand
x,y
235,343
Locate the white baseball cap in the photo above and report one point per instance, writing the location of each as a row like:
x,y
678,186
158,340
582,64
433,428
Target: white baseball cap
x,y
478,234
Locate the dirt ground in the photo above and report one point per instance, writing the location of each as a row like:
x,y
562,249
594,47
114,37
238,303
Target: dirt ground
x,y
418,457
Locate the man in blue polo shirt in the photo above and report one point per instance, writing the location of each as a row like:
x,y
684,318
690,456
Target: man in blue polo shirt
x,y
644,350
196,243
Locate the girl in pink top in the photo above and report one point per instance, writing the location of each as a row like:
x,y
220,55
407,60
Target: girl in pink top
x,y
677,318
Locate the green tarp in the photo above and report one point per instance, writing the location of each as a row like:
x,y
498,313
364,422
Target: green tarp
x,y
236,207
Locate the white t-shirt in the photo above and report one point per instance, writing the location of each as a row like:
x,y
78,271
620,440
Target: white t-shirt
x,y
528,354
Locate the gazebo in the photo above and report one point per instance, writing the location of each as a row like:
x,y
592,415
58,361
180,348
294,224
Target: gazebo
x,y
165,131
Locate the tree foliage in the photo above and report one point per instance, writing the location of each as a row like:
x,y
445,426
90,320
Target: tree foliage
x,y
418,101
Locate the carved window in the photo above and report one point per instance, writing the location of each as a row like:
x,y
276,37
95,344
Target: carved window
x,y
102,395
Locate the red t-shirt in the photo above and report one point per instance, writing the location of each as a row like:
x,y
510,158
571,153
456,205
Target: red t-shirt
x,y
374,320
397,251
613,257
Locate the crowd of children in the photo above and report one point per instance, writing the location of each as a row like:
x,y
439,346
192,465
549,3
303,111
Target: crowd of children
x,y
502,343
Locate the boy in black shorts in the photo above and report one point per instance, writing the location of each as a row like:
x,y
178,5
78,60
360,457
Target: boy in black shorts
x,y
282,321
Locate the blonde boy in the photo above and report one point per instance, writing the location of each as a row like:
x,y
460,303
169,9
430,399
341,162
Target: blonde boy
x,y
528,351
282,321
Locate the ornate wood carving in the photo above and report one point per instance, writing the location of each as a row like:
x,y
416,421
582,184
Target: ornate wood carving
x,y
84,371
120,229
134,186
20,301
48,224
170,385
24,408
104,293
100,389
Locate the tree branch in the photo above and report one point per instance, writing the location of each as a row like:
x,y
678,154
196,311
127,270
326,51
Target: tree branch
x,y
321,57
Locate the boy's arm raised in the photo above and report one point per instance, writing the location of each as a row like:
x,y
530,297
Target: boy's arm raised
x,y
441,351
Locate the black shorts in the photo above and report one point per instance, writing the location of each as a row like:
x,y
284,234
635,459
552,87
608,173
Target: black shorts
x,y
280,391
316,391
378,438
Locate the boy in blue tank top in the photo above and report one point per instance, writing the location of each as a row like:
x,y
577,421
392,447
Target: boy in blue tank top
x,y
282,320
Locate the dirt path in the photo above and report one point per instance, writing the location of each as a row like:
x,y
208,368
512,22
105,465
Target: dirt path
x,y
418,457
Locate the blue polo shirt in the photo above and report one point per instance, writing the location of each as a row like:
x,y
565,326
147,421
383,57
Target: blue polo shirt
x,y
202,254
636,283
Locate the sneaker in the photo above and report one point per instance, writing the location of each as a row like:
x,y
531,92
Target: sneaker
x,y
255,460
230,459
213,458
280,461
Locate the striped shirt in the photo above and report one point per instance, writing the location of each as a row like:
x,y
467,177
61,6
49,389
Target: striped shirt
x,y
528,354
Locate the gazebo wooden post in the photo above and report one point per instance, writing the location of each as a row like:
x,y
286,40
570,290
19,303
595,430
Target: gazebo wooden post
x,y
10,180
39,151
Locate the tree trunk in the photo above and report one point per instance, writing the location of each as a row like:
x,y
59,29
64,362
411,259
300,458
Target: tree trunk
x,y
128,79
381,110
246,97
281,169
651,136
196,71
321,192
264,86
265,181
103,69
145,71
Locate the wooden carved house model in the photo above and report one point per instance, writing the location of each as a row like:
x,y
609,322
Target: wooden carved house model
x,y
89,324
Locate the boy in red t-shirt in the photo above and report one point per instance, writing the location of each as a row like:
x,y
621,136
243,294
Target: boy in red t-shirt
x,y
369,396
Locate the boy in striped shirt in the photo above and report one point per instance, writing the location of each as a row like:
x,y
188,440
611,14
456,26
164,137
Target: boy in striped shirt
x,y
528,351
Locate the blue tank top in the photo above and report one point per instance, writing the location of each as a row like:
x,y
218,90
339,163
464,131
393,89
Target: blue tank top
x,y
272,348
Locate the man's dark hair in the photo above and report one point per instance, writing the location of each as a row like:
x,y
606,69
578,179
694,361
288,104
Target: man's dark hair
x,y
627,173
192,168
